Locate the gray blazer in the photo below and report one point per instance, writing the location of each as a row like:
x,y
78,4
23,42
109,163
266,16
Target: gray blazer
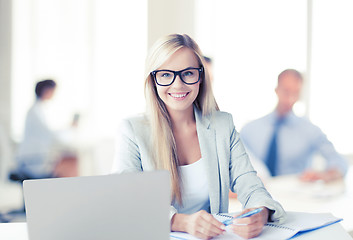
x,y
228,165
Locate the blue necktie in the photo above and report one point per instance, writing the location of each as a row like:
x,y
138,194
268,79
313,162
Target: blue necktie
x,y
272,155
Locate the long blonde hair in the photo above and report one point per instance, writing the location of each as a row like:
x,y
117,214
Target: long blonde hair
x,y
164,150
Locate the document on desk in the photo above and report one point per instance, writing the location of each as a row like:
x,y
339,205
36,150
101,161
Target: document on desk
x,y
296,223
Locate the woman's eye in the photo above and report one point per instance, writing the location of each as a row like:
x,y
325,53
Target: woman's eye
x,y
165,75
188,74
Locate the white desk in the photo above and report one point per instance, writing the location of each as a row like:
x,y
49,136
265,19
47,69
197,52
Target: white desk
x,y
18,231
10,196
335,231
13,231
294,195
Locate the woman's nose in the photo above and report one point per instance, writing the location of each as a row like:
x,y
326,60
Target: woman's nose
x,y
178,81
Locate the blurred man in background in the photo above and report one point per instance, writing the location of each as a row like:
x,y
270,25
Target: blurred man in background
x,y
209,66
42,153
286,143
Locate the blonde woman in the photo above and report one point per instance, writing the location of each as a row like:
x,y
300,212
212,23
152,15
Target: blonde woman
x,y
184,132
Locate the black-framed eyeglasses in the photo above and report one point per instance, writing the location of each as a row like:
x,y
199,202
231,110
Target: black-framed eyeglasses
x,y
167,77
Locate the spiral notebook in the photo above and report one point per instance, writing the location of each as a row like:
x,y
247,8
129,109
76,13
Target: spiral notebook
x,y
296,223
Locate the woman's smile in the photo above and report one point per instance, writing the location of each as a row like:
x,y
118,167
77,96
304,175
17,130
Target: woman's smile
x,y
179,96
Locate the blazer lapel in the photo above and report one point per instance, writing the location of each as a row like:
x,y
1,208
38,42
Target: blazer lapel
x,y
208,146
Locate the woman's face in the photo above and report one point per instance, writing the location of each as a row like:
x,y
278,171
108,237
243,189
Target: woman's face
x,y
179,96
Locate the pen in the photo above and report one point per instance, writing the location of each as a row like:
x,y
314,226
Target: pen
x,y
178,237
248,214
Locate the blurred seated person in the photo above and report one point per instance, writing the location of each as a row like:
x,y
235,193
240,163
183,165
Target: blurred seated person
x,y
43,153
209,67
286,143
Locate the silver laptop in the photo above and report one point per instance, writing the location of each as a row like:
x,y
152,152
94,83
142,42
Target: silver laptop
x,y
118,206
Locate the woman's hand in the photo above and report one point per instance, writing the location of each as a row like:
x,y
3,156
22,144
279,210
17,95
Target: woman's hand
x,y
250,227
201,224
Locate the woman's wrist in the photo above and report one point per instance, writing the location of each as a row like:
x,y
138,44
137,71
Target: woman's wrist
x,y
269,214
179,222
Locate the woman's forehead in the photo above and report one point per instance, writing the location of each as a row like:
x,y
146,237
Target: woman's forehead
x,y
181,59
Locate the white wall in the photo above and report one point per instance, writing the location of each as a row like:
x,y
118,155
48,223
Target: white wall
x,y
172,16
332,75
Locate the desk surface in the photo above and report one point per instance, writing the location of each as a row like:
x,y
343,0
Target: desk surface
x,y
334,231
298,196
11,196
18,231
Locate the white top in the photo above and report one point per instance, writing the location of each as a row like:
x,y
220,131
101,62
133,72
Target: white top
x,y
194,188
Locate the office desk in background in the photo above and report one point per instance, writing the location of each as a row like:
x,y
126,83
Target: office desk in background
x,y
294,195
18,231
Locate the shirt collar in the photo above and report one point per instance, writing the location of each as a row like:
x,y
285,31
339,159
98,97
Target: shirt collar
x,y
287,119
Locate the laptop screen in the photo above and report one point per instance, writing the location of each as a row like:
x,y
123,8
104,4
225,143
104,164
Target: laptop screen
x,y
117,206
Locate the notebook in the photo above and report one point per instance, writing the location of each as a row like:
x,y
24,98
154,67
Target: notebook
x,y
296,223
118,206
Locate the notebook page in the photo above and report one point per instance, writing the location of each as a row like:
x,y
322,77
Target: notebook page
x,y
296,222
302,221
220,217
269,232
229,235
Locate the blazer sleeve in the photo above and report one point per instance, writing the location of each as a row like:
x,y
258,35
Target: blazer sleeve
x,y
127,151
245,182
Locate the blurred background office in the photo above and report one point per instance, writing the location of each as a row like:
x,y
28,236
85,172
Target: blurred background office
x,y
90,47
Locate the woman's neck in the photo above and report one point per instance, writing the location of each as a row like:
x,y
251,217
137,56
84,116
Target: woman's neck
x,y
181,119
